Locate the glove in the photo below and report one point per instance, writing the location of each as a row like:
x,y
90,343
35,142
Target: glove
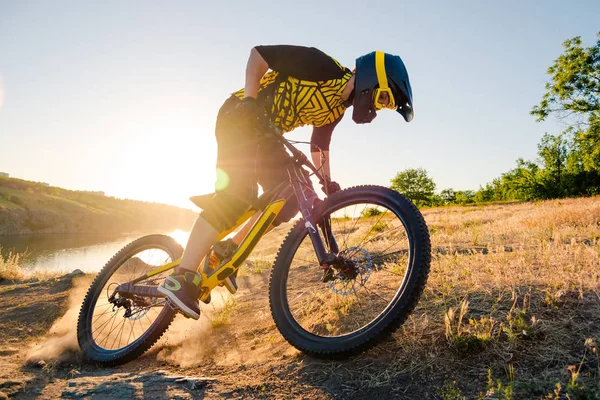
x,y
330,187
251,113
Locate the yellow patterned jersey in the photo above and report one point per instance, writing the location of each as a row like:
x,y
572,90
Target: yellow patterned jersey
x,y
304,87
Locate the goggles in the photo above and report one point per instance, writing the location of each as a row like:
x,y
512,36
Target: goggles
x,y
379,95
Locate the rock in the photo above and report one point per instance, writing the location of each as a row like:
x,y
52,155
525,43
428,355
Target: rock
x,y
198,383
71,384
76,273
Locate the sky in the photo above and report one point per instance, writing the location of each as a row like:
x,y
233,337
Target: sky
x,y
122,96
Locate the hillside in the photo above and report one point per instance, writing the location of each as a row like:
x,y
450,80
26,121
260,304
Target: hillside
x,y
31,207
510,310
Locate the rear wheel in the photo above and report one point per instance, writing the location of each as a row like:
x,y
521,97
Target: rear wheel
x,y
113,330
383,259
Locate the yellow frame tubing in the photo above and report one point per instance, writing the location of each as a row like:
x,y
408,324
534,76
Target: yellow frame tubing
x,y
175,263
209,282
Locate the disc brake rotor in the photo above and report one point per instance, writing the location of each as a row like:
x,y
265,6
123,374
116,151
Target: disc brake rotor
x,y
363,262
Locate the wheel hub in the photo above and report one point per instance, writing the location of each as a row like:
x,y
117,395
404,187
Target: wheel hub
x,y
351,271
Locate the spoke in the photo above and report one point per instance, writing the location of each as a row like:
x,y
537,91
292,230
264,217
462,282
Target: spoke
x,y
383,251
132,325
393,253
103,325
367,235
122,324
131,273
141,327
398,274
300,295
121,335
147,317
110,329
357,218
314,262
130,332
97,317
375,294
385,234
344,244
362,311
387,248
104,320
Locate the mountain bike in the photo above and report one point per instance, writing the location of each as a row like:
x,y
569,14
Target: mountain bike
x,y
347,275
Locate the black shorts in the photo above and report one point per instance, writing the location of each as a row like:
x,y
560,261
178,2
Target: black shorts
x,y
243,161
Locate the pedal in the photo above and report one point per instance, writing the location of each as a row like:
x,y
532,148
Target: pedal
x,y
175,308
230,284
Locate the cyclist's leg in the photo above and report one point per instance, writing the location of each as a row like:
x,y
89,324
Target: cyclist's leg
x,y
271,172
235,187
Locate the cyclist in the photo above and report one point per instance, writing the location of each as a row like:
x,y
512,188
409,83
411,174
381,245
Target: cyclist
x,y
304,87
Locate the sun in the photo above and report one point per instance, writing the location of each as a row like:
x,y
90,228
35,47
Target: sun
x,y
166,158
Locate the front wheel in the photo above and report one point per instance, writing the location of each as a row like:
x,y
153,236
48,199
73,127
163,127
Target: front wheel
x,y
384,252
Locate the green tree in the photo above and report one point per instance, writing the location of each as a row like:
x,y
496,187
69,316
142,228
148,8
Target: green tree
x,y
573,96
448,196
465,197
484,194
520,183
414,184
553,152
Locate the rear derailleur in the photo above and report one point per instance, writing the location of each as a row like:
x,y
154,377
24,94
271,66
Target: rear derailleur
x,y
131,306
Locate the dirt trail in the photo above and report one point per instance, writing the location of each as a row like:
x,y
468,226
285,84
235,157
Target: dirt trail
x,y
39,356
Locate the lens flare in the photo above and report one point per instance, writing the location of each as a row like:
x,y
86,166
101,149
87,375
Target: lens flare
x,y
222,180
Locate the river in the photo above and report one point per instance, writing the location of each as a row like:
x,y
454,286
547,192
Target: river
x,y
67,252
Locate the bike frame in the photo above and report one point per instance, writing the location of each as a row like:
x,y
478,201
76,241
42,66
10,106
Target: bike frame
x,y
306,199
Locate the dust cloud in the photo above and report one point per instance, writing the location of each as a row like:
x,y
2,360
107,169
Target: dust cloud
x,y
60,345
188,342
231,330
248,337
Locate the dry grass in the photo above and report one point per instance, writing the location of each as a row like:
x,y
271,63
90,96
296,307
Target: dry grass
x,y
220,316
511,308
11,269
512,287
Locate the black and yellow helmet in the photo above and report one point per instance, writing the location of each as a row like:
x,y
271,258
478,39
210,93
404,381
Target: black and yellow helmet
x,y
381,82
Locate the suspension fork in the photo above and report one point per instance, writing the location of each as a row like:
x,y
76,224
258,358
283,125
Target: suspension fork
x,y
325,225
306,200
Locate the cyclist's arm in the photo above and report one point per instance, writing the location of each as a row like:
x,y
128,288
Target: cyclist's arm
x,y
320,139
255,69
